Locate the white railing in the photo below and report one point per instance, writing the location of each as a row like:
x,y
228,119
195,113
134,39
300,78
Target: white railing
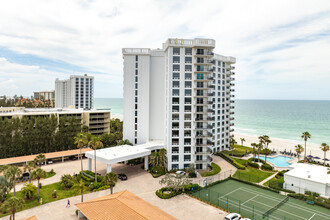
x,y
136,51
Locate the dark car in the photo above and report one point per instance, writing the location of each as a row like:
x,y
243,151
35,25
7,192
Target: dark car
x,y
122,176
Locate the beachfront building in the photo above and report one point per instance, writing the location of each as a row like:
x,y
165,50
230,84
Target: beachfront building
x,y
308,177
45,95
98,121
78,91
182,95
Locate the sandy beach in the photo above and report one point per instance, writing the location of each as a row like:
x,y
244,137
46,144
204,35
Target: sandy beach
x,y
282,144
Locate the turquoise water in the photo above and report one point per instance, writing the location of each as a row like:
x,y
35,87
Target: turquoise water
x,y
275,118
279,161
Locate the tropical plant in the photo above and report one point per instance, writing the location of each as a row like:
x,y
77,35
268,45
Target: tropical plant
x,y
29,190
95,143
242,140
305,135
110,179
40,159
12,173
38,174
176,182
79,185
125,142
12,204
254,145
324,148
67,181
158,158
299,149
29,167
81,141
5,187
266,152
259,146
232,143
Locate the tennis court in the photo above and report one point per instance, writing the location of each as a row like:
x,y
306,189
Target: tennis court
x,y
256,203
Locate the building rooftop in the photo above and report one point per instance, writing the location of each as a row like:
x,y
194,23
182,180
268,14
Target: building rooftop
x,y
121,205
310,172
22,110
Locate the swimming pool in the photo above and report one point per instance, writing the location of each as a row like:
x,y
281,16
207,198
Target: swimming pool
x,y
279,161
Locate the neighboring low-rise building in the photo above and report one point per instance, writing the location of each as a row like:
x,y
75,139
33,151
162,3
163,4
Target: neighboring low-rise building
x,y
98,121
44,95
120,205
307,177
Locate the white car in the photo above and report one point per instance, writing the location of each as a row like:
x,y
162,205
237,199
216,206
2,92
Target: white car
x,y
245,219
233,216
180,172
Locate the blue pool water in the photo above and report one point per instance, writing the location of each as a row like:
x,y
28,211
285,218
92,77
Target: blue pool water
x,y
279,161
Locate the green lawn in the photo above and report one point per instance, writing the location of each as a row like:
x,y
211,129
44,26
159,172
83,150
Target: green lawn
x,y
46,195
252,175
238,150
215,170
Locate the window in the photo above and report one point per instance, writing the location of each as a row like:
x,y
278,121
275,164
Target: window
x,y
176,84
136,72
200,60
187,68
176,51
176,67
136,79
200,68
187,75
176,75
188,60
136,92
187,92
176,92
136,127
200,76
136,113
136,65
200,51
136,99
135,141
136,58
136,85
176,59
136,106
187,84
135,120
188,51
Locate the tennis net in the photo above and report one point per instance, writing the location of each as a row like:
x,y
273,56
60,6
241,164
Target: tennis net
x,y
275,207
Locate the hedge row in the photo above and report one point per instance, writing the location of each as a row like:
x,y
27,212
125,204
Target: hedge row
x,y
253,184
254,165
230,160
187,188
317,200
266,166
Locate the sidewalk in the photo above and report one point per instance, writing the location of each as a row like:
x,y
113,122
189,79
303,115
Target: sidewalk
x,y
268,178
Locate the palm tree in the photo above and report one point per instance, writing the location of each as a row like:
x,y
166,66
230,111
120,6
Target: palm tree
x,y
324,148
79,186
110,179
81,141
232,143
40,158
305,135
299,149
158,158
30,166
95,143
259,146
38,174
242,140
5,187
11,173
13,204
266,152
254,145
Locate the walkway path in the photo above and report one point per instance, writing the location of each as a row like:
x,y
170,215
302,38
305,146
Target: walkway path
x,y
268,178
224,165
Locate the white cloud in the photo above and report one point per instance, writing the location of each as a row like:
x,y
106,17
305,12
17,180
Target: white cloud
x,y
90,34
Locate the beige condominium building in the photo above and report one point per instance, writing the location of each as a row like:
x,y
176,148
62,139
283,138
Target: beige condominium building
x,y
46,95
98,121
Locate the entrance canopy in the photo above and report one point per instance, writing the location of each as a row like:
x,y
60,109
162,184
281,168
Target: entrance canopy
x,y
123,153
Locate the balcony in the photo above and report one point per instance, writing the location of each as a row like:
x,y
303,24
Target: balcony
x,y
210,94
175,143
187,119
187,143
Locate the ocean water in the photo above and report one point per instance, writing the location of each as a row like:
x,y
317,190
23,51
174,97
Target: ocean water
x,y
284,119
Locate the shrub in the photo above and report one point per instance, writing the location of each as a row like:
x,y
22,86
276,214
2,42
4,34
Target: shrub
x,y
215,170
67,181
254,165
230,160
315,194
320,201
76,212
187,188
101,188
29,190
308,193
157,171
52,171
95,185
266,167
256,160
192,175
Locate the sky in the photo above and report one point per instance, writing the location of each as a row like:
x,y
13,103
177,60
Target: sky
x,y
282,47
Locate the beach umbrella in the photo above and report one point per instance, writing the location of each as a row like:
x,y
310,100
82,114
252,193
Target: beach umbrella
x,y
317,158
310,156
326,159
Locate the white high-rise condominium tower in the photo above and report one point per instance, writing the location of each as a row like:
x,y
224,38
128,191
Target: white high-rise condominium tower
x,y
182,95
78,91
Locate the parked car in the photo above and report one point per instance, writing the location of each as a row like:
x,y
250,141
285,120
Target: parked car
x,y
180,172
233,216
245,219
122,176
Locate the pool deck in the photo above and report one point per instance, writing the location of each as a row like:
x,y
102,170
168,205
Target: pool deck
x,y
293,160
